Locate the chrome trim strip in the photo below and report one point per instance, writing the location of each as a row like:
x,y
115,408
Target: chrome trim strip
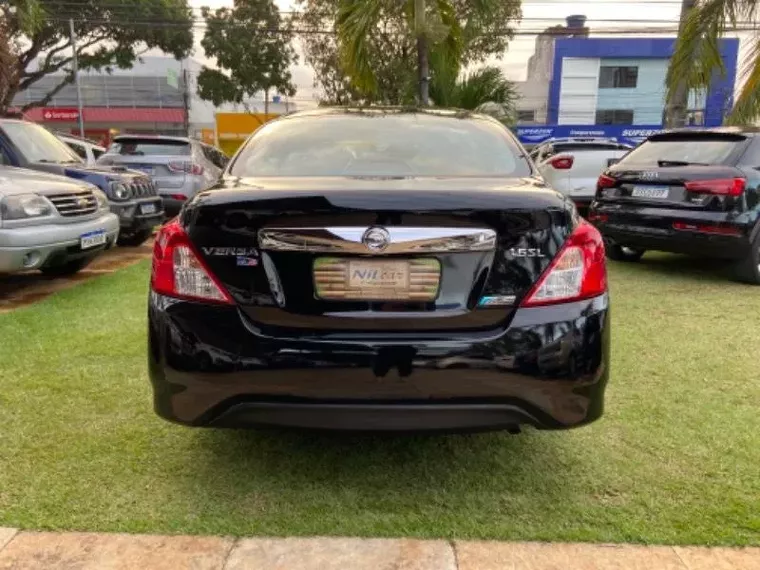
x,y
402,240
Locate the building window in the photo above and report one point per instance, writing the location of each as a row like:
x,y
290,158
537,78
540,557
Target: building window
x,y
616,76
614,117
694,117
528,116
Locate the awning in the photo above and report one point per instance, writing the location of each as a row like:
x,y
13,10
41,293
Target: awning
x,y
111,115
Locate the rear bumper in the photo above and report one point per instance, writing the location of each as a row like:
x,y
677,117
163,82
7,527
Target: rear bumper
x,y
172,206
210,367
652,229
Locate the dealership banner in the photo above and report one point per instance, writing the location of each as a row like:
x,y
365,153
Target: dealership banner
x,y
631,134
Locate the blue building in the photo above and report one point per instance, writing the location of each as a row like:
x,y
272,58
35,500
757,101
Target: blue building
x,y
621,81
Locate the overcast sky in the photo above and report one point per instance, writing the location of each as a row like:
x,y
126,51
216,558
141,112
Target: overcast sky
x,y
537,15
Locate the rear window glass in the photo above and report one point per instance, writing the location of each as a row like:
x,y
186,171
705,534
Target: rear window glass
x,y
149,147
580,147
693,150
381,145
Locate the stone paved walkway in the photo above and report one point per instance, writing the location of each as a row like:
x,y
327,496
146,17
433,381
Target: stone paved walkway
x,y
21,550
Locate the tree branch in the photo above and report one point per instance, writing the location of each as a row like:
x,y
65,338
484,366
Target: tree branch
x,y
47,68
49,97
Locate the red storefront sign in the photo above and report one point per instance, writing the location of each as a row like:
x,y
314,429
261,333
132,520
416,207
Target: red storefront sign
x,y
60,114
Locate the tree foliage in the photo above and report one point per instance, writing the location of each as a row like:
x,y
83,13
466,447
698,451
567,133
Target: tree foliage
x,y
252,46
110,33
697,54
484,32
485,90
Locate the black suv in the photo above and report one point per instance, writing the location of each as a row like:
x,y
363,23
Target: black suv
x,y
691,191
131,194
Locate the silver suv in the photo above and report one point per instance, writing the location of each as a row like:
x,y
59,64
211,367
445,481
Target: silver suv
x,y
51,223
179,166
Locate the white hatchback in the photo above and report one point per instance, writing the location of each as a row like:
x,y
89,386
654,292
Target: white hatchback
x,y
572,166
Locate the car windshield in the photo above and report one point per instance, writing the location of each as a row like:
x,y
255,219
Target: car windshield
x,y
37,144
691,151
381,145
149,147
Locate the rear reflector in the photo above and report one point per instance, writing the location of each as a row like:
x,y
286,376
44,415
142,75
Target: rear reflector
x,y
562,162
179,272
180,197
579,271
719,186
707,229
605,181
594,217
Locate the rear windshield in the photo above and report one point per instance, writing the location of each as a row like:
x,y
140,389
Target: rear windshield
x,y
581,147
381,145
692,150
149,147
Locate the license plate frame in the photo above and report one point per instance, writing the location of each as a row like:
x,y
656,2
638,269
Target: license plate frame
x,y
147,209
654,192
359,279
92,239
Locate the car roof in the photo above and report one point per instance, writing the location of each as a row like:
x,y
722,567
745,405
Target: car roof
x,y
88,142
153,137
373,110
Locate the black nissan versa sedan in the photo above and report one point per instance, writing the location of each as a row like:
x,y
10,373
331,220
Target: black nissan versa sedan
x,y
380,269
689,191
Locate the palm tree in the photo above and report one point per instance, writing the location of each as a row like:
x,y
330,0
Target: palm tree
x,y
485,89
432,23
696,56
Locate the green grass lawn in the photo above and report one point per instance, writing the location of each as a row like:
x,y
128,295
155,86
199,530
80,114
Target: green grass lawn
x,y
675,459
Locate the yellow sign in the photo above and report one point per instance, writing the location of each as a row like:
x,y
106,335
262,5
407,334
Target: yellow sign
x,y
233,128
208,136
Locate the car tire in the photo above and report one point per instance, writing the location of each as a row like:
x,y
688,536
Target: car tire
x,y
748,269
134,239
66,269
623,253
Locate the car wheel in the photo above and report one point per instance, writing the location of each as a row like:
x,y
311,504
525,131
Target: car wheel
x,y
66,269
748,269
134,239
623,253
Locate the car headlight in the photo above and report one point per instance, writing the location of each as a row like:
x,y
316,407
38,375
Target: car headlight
x,y
120,191
102,199
24,206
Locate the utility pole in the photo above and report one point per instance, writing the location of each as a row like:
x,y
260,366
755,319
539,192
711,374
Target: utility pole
x,y
675,112
186,100
423,62
266,101
75,64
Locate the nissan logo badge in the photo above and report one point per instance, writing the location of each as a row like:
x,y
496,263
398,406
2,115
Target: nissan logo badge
x,y
376,239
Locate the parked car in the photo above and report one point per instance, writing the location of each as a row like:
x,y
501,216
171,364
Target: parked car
x,y
180,167
51,223
87,150
573,165
132,195
689,191
379,269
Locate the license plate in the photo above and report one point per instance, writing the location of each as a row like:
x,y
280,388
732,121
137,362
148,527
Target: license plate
x,y
337,278
649,192
148,209
92,239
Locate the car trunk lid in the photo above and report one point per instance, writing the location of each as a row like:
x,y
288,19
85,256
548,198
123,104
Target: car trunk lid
x,y
296,255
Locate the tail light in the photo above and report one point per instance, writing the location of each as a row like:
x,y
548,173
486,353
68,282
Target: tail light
x,y
718,186
178,270
605,181
187,167
180,197
562,162
579,271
